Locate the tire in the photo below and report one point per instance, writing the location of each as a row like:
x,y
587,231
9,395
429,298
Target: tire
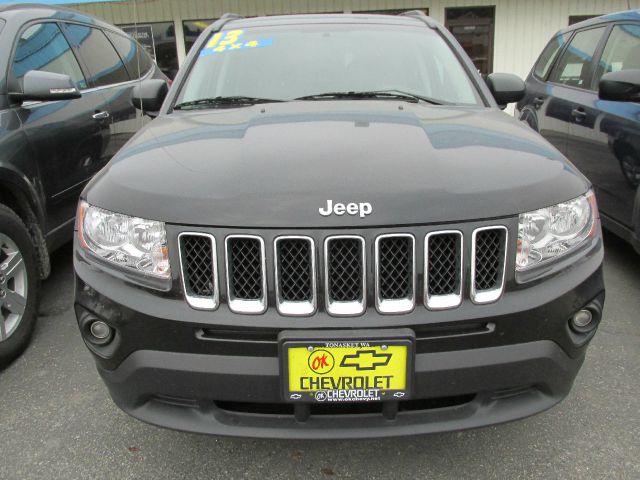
x,y
18,286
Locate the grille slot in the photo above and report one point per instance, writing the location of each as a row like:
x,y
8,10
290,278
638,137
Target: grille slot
x,y
199,269
345,279
488,263
395,273
443,269
246,280
295,275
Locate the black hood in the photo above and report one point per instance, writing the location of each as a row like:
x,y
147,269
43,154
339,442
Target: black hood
x,y
275,165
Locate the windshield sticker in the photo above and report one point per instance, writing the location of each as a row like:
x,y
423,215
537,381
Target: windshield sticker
x,y
232,40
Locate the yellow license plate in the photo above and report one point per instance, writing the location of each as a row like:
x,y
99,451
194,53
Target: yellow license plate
x,y
347,371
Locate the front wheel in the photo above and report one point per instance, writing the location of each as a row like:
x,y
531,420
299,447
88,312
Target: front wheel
x,y
18,286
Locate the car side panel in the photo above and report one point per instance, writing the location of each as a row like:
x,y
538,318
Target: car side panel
x,y
68,145
19,172
605,146
546,110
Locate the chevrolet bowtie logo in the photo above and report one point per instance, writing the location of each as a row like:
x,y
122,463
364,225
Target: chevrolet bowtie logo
x,y
366,360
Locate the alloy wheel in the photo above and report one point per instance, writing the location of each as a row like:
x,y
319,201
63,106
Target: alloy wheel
x,y
13,287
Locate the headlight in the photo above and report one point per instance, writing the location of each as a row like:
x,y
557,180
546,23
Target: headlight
x,y
130,242
551,232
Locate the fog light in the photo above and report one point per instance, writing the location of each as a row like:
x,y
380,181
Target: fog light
x,y
582,318
100,333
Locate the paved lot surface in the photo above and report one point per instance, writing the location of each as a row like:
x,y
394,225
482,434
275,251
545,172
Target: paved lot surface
x,y
56,420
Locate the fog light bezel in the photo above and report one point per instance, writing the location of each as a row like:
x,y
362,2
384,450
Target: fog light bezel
x,y
581,335
97,338
582,328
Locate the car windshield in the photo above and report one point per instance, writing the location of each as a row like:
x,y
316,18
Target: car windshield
x,y
327,61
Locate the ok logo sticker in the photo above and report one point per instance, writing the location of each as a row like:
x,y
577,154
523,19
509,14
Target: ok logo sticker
x,y
321,361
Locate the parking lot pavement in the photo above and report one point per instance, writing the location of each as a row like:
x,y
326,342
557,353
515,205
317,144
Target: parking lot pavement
x,y
57,421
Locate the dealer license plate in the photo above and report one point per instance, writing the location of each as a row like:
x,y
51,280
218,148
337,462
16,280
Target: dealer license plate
x,y
347,371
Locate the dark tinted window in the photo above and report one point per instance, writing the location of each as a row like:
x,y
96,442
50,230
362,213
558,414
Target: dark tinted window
x,y
622,51
575,66
160,41
43,47
102,61
549,54
136,60
192,30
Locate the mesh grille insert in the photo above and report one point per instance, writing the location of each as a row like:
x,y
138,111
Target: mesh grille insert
x,y
490,245
444,264
395,268
295,270
345,270
245,268
197,254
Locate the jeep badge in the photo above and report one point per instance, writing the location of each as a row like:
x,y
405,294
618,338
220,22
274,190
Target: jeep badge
x,y
363,209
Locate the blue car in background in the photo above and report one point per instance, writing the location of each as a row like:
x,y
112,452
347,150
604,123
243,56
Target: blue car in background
x,y
583,95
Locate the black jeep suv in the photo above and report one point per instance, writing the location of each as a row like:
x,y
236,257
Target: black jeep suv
x,y
65,109
332,230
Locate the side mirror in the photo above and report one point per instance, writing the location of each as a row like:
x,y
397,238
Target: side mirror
x,y
46,86
149,95
506,87
621,86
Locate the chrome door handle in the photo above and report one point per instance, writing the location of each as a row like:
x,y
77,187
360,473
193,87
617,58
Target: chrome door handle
x,y
100,115
578,114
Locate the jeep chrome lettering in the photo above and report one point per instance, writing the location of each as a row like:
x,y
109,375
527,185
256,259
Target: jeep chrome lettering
x,y
363,209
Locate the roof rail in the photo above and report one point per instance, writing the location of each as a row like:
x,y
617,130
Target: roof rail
x,y
223,20
420,15
230,16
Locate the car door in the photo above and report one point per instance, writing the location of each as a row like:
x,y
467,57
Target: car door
x,y
542,108
571,80
109,77
604,137
65,136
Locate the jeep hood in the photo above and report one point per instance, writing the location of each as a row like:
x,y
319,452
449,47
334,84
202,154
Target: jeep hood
x,y
275,165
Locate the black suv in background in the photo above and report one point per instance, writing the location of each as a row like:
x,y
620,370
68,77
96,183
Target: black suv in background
x,y
583,96
65,109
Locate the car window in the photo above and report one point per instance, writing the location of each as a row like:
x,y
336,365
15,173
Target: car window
x,y
135,59
622,51
549,54
575,65
43,47
284,63
103,63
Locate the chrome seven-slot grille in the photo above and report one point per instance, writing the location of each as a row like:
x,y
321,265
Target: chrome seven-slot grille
x,y
343,273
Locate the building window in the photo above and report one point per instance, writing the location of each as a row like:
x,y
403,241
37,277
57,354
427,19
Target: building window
x,y
192,30
573,19
159,39
473,28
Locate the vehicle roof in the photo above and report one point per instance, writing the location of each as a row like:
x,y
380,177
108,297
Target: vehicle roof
x,y
34,11
412,19
610,17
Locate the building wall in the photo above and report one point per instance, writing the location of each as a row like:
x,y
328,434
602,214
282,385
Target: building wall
x,y
522,27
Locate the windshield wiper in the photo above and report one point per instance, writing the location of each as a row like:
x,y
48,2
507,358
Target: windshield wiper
x,y
381,94
223,101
